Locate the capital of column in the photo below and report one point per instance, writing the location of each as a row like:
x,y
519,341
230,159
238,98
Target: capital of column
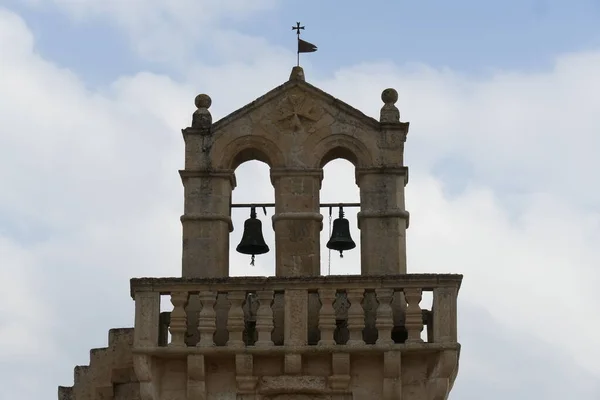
x,y
391,170
277,173
298,216
207,217
186,174
391,213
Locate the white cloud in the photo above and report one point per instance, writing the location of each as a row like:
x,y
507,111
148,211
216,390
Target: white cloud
x,y
531,131
92,196
162,30
23,312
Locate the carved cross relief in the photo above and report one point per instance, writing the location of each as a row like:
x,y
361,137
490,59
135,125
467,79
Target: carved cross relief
x,y
297,112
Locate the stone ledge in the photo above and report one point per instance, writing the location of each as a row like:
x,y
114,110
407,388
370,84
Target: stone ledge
x,y
178,352
250,283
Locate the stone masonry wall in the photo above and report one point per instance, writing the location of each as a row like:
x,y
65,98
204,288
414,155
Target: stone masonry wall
x,y
110,373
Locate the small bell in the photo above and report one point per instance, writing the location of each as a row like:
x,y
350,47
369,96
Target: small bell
x,y
252,242
340,236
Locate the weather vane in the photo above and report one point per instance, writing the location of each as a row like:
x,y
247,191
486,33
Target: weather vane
x,y
303,46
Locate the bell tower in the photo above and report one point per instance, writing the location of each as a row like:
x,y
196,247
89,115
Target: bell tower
x,y
298,334
295,335
295,129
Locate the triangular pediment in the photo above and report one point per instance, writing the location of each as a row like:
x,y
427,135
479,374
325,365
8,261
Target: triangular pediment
x,y
282,98
297,125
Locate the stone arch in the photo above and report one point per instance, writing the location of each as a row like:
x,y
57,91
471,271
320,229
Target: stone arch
x,y
250,147
341,146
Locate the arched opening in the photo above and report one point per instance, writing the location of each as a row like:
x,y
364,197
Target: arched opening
x,y
249,154
339,186
253,186
343,146
339,153
247,148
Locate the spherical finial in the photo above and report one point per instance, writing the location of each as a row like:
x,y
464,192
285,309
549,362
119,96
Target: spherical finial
x,y
389,96
203,101
201,119
389,111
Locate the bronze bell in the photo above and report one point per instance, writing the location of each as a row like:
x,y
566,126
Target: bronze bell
x,y
252,242
340,236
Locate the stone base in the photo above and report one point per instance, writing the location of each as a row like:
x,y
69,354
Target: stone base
x,y
419,372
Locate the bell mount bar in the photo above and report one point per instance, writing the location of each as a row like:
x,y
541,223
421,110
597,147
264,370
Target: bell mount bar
x,y
264,205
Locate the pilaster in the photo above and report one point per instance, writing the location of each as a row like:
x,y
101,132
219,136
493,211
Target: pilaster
x,y
147,307
206,223
297,221
383,220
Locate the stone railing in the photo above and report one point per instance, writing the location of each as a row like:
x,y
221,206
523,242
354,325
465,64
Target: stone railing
x,y
267,312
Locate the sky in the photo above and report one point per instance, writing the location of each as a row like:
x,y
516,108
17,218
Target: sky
x,y
503,100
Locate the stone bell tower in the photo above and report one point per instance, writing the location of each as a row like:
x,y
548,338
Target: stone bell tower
x,y
296,129
297,335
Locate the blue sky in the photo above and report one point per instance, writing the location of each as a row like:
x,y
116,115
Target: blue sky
x,y
502,98
472,37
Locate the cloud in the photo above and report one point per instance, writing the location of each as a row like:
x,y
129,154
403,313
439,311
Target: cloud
x,y
514,364
523,132
92,198
524,227
158,30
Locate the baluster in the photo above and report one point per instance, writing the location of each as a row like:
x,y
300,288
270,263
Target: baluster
x,y
356,316
327,316
235,318
414,315
385,316
264,318
206,319
178,325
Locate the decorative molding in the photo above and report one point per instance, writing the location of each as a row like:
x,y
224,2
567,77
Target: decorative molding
x,y
297,111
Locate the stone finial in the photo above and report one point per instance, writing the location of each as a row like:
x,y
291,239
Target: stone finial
x,y
297,74
389,111
202,119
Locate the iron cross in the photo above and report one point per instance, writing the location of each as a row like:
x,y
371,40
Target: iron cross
x,y
297,28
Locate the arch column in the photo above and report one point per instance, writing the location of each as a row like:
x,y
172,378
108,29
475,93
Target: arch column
x,y
382,220
297,221
206,223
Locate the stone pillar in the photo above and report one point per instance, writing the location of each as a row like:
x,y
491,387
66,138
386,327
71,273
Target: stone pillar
x,y
382,220
207,214
206,223
207,197
297,221
206,227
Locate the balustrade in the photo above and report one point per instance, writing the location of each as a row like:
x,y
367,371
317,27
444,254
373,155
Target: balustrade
x,y
347,292
207,318
235,318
